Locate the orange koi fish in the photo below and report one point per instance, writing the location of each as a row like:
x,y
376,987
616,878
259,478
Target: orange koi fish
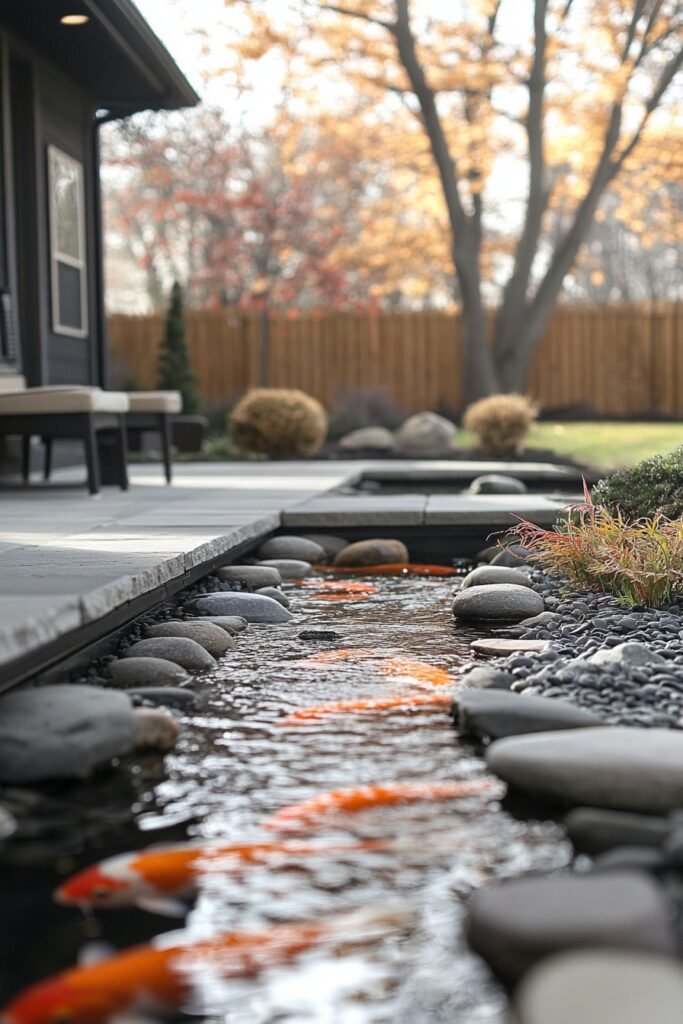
x,y
152,979
340,654
384,794
391,569
160,878
341,586
302,716
415,672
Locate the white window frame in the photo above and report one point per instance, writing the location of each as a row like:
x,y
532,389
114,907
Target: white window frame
x,y
57,257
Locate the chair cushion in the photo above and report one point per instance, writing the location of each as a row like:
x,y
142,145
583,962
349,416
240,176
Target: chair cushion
x,y
62,399
11,382
155,401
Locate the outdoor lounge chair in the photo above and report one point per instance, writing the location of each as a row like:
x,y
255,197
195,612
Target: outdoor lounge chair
x,y
68,412
152,411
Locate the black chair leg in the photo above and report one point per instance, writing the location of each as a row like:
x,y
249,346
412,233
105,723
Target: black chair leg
x,y
25,457
122,452
165,431
47,458
91,456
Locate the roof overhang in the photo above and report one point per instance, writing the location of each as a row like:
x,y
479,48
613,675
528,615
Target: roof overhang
x,y
116,56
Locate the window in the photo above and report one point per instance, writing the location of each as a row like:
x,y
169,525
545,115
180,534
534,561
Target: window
x,y
67,244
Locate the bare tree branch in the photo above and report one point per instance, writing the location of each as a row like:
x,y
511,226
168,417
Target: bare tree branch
x,y
350,13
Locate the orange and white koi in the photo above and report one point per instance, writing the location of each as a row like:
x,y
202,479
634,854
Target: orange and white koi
x,y
390,569
417,672
162,878
310,812
153,979
374,705
341,586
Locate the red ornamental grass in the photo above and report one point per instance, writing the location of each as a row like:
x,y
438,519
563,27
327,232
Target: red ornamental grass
x,y
639,563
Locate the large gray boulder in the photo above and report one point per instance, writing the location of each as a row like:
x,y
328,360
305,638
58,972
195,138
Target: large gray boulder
x,y
184,652
211,637
64,731
516,924
595,986
507,601
496,713
291,547
615,766
252,607
425,432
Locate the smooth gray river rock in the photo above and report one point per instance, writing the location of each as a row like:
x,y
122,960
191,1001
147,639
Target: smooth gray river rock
x,y
171,696
426,432
594,830
516,924
276,595
597,986
496,713
252,607
489,575
628,654
375,551
616,767
211,637
329,542
506,601
287,547
64,731
497,483
290,568
154,729
253,576
486,677
502,646
232,624
146,672
184,652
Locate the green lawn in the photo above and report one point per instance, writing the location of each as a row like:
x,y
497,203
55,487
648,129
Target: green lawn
x,y
607,445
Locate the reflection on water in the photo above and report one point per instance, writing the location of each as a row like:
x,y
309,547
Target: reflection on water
x,y
236,766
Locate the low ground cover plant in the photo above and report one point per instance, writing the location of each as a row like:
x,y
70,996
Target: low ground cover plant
x,y
653,485
638,562
500,423
278,422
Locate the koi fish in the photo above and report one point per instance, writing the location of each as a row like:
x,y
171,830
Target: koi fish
x,y
154,979
340,654
162,879
415,672
302,716
391,569
341,586
384,794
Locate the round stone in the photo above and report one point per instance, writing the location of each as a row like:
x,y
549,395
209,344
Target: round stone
x,y
289,568
184,652
291,548
617,767
502,647
594,830
330,544
506,601
276,595
426,432
154,729
377,551
513,556
494,575
252,576
595,986
485,677
211,637
232,624
497,483
252,607
172,696
516,924
378,438
146,672
62,731
495,713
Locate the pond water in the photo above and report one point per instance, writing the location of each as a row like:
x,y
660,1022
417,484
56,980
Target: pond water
x,y
236,765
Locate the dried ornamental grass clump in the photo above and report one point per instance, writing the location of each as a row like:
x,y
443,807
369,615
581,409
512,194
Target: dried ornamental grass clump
x,y
639,563
653,485
279,422
500,423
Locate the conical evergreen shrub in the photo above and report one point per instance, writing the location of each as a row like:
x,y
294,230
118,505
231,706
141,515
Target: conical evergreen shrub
x,y
175,368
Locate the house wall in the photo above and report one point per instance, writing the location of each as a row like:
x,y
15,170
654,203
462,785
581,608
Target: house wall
x,y
42,106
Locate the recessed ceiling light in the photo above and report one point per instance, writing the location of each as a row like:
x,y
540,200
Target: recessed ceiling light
x,y
74,19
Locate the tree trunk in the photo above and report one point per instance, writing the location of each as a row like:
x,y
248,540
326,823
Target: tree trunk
x,y
479,377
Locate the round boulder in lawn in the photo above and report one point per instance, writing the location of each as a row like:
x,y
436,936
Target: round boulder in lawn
x,y
486,575
291,547
426,433
504,601
377,551
497,483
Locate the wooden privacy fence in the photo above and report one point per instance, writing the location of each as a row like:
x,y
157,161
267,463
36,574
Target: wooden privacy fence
x,y
620,360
